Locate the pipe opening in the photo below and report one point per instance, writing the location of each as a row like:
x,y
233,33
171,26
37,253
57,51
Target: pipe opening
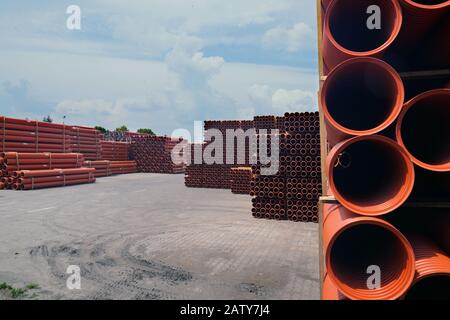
x,y
363,245
428,2
425,129
377,174
353,34
431,288
364,95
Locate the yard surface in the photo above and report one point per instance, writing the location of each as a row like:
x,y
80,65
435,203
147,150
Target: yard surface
x,y
145,236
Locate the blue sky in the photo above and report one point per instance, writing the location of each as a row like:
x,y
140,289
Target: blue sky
x,y
160,64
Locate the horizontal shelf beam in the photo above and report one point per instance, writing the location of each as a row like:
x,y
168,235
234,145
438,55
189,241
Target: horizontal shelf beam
x,y
417,75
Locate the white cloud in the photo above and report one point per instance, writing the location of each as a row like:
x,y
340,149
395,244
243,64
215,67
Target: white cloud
x,y
192,67
294,39
163,78
259,94
279,101
294,100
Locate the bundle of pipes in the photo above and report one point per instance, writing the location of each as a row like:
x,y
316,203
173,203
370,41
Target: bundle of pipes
x,y
223,125
247,124
216,173
241,178
15,161
353,133
106,168
115,150
413,253
265,208
280,124
38,179
88,142
298,181
18,135
124,136
215,176
266,122
384,151
154,154
389,168
268,187
400,34
270,197
301,163
123,167
102,167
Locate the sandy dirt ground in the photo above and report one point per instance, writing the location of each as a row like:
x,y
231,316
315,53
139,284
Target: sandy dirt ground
x,y
149,237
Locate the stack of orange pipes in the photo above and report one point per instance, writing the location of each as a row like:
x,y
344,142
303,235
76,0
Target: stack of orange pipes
x,y
34,136
15,161
102,167
106,168
154,154
123,167
87,141
217,175
17,135
115,150
241,178
38,179
385,150
294,191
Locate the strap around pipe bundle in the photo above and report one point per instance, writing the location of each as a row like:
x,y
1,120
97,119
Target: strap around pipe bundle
x,y
4,133
37,136
17,161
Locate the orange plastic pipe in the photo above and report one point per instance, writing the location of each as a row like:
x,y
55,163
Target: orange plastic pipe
x,y
354,243
432,280
72,161
346,34
423,129
361,96
330,292
14,155
54,172
439,229
370,175
420,17
325,4
53,184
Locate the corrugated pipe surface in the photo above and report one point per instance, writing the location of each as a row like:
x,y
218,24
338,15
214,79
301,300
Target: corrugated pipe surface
x,y
354,243
432,280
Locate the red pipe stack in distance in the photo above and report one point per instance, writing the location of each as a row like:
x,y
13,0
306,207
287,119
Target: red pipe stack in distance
x,y
154,154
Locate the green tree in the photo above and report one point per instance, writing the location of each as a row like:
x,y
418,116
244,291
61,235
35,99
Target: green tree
x,y
122,129
100,129
146,131
48,119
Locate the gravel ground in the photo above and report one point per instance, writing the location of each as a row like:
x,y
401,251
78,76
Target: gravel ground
x,y
145,236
